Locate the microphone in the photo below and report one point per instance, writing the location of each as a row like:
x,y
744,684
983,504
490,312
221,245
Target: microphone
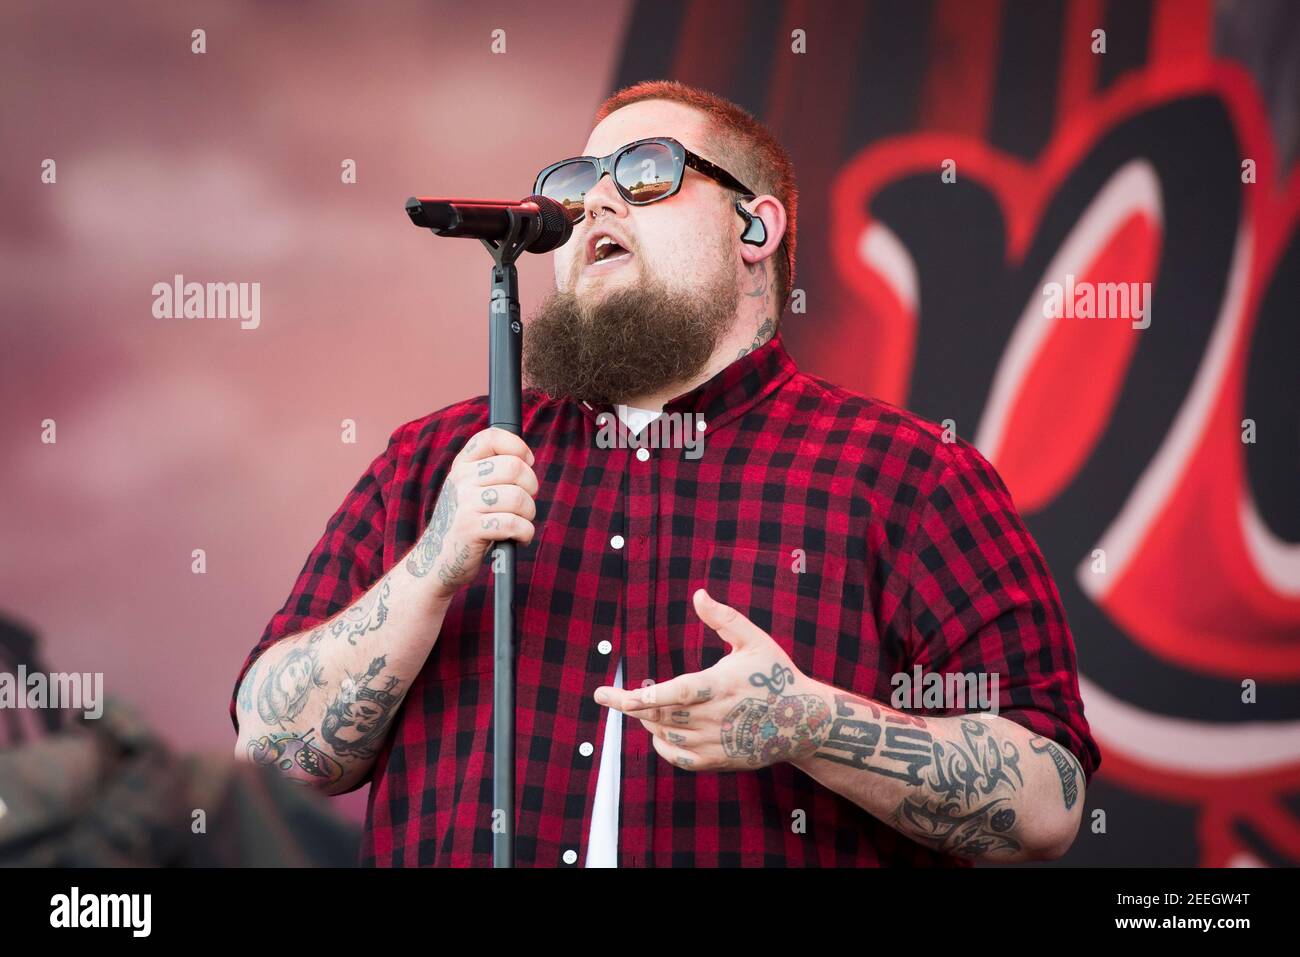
x,y
545,224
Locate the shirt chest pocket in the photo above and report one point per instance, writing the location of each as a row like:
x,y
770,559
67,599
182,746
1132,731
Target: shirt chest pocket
x,y
792,594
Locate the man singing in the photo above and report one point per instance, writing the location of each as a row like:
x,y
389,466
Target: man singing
x,y
711,629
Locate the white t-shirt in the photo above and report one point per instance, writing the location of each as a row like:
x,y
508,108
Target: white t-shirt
x,y
602,842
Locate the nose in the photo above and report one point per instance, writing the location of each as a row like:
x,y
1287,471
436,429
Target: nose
x,y
604,197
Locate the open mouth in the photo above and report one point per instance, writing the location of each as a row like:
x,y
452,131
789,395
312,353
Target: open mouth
x,y
607,253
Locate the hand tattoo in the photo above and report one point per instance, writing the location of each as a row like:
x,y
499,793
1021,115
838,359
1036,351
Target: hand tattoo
x,y
778,727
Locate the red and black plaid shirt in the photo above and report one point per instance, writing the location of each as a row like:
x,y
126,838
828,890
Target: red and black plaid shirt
x,y
913,554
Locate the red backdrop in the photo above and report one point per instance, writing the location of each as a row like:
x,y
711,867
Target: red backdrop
x,y
1122,166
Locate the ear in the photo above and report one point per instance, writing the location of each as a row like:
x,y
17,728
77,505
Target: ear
x,y
765,220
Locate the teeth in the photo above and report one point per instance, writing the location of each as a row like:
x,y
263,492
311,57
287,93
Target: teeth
x,y
604,246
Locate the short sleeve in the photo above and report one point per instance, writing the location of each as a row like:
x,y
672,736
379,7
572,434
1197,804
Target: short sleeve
x,y
982,601
346,561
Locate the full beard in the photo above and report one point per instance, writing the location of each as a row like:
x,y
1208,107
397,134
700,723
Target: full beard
x,y
631,342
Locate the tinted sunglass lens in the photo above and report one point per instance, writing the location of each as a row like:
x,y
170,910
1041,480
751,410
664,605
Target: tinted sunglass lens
x,y
568,185
646,172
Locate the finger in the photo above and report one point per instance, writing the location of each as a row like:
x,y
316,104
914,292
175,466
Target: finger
x,y
681,737
684,691
618,699
677,756
496,441
503,469
732,627
507,498
678,717
499,526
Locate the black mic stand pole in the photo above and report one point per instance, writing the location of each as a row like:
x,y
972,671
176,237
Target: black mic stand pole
x,y
505,338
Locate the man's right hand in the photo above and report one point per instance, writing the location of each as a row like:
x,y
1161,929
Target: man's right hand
x,y
487,497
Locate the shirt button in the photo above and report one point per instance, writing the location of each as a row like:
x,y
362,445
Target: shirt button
x,y
585,749
643,454
570,856
604,647
617,541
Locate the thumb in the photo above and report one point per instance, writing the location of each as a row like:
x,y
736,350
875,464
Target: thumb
x,y
733,627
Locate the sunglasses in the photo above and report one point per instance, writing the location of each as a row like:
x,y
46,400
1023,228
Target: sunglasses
x,y
644,171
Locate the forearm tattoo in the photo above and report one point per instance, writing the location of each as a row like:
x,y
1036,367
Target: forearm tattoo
x,y
454,566
300,760
288,684
357,719
245,699
778,727
955,809
873,739
426,551
947,827
1066,768
368,614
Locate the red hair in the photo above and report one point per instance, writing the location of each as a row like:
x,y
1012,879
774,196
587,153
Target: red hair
x,y
743,146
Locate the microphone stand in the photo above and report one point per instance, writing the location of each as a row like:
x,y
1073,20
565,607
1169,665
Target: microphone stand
x,y
505,337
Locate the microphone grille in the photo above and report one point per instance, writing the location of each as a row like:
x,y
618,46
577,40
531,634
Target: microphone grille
x,y
556,227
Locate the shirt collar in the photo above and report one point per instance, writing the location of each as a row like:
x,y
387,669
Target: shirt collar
x,y
735,389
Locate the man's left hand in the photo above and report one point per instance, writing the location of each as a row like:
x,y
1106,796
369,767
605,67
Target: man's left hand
x,y
752,709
